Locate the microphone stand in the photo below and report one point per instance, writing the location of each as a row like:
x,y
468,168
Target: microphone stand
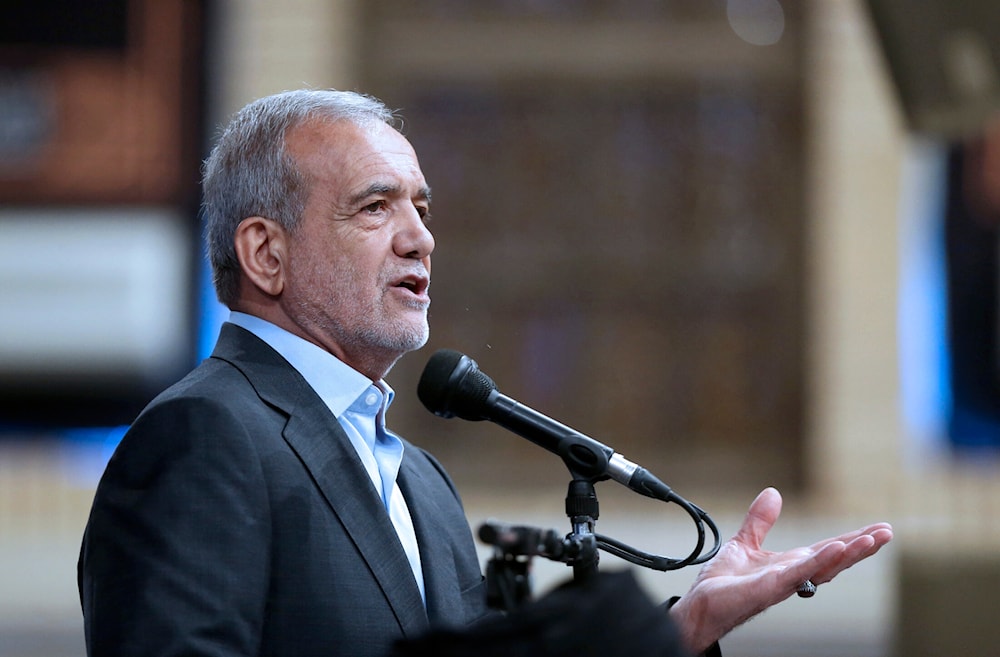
x,y
583,509
508,571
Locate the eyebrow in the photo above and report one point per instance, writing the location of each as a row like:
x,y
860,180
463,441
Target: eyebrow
x,y
379,189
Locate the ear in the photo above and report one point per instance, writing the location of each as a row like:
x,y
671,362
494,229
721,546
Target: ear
x,y
261,247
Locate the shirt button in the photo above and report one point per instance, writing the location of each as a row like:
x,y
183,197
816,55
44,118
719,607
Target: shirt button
x,y
371,398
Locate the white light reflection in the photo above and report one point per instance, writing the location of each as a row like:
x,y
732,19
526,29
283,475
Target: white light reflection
x,y
758,22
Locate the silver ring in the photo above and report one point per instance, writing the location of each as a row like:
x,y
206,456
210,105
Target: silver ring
x,y
807,589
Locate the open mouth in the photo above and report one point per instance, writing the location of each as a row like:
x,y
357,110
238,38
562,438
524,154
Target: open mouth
x,y
416,284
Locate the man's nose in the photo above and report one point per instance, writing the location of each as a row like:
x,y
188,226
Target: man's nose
x,y
414,239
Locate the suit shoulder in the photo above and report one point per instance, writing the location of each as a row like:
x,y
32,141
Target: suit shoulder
x,y
212,410
206,380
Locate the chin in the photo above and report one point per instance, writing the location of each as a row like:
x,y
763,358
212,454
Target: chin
x,y
419,341
412,338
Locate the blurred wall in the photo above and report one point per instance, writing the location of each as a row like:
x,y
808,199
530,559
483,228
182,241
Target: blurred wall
x,y
861,463
858,147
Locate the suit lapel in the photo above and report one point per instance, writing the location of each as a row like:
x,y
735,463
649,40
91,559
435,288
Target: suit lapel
x,y
443,598
325,450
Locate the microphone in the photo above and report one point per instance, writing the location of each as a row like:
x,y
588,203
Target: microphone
x,y
452,385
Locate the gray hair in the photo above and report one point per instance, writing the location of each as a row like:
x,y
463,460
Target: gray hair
x,y
250,173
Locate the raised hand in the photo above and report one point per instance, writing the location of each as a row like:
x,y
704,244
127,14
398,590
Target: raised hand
x,y
744,579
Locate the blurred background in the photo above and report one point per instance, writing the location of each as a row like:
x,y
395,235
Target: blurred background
x,y
745,242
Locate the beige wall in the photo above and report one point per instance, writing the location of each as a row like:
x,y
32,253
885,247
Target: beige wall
x,y
267,46
857,146
863,457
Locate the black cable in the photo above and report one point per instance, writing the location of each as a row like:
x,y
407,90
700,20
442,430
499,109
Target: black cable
x,y
657,562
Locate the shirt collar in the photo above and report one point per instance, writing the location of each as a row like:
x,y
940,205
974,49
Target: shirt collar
x,y
337,384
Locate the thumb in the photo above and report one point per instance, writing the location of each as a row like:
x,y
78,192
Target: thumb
x,y
760,518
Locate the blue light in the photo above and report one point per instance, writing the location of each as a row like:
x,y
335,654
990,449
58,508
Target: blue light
x,y
924,366
211,313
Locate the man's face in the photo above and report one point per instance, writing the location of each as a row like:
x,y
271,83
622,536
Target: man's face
x,y
359,262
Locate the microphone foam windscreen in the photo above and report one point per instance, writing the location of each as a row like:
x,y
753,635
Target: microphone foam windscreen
x,y
452,385
432,390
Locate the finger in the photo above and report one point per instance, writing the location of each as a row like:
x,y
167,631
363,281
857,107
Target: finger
x,y
760,518
857,550
882,535
882,530
811,567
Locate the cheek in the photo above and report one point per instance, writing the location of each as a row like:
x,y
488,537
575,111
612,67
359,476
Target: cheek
x,y
339,268
319,279
305,272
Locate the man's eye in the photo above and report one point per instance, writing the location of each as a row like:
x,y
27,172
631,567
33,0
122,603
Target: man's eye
x,y
377,206
424,213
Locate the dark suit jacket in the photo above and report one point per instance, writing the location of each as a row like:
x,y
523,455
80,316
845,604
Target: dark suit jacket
x,y
235,518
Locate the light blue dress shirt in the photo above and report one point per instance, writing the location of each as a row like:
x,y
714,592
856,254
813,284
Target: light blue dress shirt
x,y
359,406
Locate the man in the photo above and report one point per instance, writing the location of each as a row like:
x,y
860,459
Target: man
x,y
260,506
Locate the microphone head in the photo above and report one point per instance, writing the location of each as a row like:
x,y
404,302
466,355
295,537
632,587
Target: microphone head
x,y
453,386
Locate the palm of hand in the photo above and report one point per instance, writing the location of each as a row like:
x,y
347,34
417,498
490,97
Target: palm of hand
x,y
744,579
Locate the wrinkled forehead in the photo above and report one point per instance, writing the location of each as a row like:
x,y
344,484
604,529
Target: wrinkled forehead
x,y
347,154
345,138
